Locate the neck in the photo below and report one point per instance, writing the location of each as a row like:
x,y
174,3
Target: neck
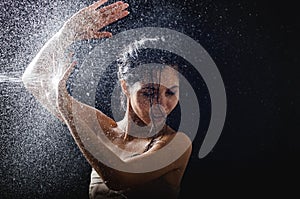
x,y
133,126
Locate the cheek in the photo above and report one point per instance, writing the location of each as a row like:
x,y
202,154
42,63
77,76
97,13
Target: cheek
x,y
142,103
173,101
173,104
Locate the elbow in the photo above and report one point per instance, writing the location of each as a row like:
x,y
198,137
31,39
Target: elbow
x,y
115,184
29,79
25,78
118,181
124,180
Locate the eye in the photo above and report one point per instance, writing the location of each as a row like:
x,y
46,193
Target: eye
x,y
148,94
170,93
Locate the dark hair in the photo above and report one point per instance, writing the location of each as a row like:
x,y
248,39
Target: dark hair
x,y
134,56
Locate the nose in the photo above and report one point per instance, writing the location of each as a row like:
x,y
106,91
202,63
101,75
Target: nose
x,y
158,111
162,101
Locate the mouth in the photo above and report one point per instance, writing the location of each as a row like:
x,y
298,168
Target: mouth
x,y
157,118
158,114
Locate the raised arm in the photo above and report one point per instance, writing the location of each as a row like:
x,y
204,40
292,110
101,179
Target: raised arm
x,y
43,73
46,78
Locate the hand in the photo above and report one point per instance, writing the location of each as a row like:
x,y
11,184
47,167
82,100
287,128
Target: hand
x,y
86,23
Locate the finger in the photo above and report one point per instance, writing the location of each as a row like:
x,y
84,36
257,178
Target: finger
x,y
115,18
114,10
113,15
111,6
97,4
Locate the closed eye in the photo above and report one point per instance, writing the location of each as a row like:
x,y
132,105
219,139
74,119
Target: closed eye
x,y
148,94
170,93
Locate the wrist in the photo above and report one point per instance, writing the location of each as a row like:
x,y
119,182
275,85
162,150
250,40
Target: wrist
x,y
66,35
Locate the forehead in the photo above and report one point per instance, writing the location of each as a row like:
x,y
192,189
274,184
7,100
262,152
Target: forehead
x,y
155,74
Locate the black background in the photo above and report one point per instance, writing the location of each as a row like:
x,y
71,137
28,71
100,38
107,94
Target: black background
x,y
253,43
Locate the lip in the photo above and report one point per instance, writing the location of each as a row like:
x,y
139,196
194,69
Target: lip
x,y
158,113
158,117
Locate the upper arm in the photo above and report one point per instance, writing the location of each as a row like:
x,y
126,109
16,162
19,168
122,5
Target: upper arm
x,y
158,162
174,175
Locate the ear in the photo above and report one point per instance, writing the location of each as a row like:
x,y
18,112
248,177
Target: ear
x,y
124,87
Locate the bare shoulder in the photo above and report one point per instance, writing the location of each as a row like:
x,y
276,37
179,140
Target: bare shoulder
x,y
178,140
183,138
180,137
184,143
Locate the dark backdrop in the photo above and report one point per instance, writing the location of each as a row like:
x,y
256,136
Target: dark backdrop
x,y
253,43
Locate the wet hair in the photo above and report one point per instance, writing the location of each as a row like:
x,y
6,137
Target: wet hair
x,y
134,56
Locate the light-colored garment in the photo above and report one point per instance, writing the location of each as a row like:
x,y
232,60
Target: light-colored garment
x,y
157,189
99,190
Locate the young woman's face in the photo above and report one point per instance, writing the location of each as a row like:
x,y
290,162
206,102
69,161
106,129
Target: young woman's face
x,y
152,101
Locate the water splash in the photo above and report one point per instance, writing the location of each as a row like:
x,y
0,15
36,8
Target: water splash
x,y
11,77
133,49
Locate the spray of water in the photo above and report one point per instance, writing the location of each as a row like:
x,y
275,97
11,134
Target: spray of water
x,y
38,155
11,77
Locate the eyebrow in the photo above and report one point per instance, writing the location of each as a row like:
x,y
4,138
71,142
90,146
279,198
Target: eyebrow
x,y
153,88
176,86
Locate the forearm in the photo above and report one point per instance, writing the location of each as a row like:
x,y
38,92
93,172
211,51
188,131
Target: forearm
x,y
46,69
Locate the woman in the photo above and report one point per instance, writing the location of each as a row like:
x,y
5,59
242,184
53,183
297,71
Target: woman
x,y
122,153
